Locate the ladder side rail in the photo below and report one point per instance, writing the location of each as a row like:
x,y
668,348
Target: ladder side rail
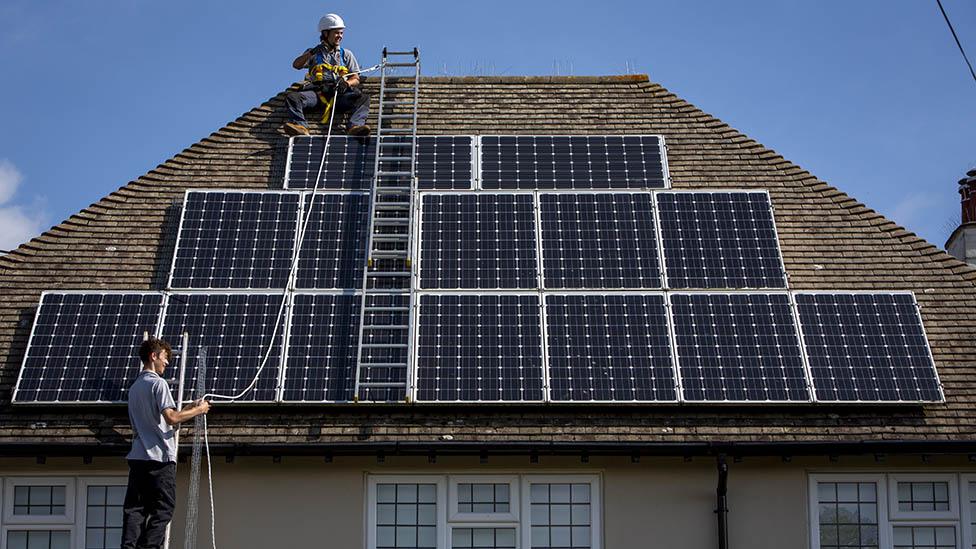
x,y
369,227
411,216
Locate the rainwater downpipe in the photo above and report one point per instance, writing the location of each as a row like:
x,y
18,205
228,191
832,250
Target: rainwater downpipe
x,y
721,503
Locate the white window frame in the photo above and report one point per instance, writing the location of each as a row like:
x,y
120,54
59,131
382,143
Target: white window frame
x,y
10,519
949,478
880,487
596,503
441,510
83,484
967,514
513,505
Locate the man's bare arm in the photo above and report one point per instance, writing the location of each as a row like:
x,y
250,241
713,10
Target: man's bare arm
x,y
195,409
302,60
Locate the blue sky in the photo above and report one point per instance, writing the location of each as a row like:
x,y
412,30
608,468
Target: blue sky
x,y
871,96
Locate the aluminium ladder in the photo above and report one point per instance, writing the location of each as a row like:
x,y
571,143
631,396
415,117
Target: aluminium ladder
x,y
383,356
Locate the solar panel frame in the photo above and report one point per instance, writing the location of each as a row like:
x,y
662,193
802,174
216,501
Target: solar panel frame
x,y
414,377
283,379
304,259
418,264
877,402
541,244
31,339
663,248
363,182
662,151
473,148
179,235
808,386
669,333
274,297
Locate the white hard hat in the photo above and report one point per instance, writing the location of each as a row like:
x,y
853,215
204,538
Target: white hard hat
x,y
331,21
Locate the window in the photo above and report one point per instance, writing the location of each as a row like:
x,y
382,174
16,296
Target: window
x,y
898,510
848,514
483,511
62,512
38,539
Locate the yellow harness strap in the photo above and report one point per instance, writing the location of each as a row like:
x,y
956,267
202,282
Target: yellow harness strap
x,y
317,74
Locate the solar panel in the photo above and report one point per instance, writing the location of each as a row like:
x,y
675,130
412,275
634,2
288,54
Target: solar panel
x,y
444,162
479,348
604,240
572,162
234,239
321,364
334,248
84,346
348,165
236,329
867,347
738,347
478,241
609,348
720,240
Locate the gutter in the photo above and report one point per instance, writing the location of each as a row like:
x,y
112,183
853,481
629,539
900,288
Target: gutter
x,y
512,448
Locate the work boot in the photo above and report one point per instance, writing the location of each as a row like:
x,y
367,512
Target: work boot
x,y
292,128
359,131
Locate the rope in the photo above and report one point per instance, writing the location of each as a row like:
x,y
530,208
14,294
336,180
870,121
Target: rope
x,y
289,288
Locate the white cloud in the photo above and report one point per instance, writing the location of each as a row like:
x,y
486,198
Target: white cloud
x,y
18,224
10,178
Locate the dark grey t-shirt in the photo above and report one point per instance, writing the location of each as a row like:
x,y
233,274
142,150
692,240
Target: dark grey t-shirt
x,y
152,438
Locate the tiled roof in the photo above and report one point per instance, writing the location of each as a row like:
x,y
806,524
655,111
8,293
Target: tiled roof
x,y
829,242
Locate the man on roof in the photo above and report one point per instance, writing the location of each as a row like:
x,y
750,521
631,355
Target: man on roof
x,y
330,68
151,495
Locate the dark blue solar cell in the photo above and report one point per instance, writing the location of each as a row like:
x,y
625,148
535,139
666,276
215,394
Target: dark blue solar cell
x,y
738,347
237,330
334,246
322,345
235,239
84,347
348,165
444,162
609,348
572,162
599,241
720,240
478,241
479,348
867,348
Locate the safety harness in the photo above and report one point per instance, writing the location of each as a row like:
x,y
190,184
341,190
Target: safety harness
x,y
324,73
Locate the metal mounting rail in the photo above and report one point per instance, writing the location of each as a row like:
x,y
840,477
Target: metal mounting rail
x,y
383,357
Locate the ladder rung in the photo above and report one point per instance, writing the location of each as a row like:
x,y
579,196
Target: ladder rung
x,y
397,116
390,237
396,130
393,190
391,90
392,205
414,64
395,143
384,345
389,254
395,158
381,384
383,365
397,103
398,174
391,221
386,326
387,274
386,309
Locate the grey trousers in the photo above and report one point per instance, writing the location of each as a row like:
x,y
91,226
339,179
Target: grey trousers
x,y
355,102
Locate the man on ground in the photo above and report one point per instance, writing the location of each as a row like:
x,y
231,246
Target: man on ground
x,y
151,495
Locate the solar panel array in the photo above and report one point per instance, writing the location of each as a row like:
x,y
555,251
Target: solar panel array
x,y
548,269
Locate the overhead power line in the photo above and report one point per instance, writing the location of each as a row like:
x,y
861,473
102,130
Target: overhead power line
x,y
958,43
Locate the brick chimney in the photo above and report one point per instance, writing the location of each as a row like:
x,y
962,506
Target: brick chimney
x,y
962,242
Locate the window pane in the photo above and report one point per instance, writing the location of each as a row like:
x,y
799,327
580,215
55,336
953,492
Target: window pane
x,y
924,537
116,495
581,493
539,493
461,537
385,513
427,493
464,493
560,536
483,537
95,538
386,493
559,493
847,515
17,540
385,536
505,537
96,495
540,536
502,493
406,493
406,515
60,540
